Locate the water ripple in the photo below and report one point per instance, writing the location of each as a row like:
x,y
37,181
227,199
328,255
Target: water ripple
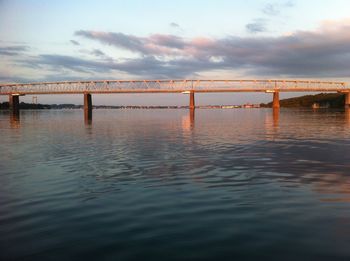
x,y
232,184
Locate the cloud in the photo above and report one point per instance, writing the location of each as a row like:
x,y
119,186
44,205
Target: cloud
x,y
310,54
175,25
8,78
176,28
257,26
13,50
290,3
275,9
154,44
121,40
271,9
74,42
98,53
146,67
94,52
59,62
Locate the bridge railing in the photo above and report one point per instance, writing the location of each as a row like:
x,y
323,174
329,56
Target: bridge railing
x,y
110,86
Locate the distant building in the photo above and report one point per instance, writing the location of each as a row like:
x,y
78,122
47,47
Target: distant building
x,y
248,105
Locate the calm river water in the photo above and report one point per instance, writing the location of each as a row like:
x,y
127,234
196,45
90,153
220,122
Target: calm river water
x,y
243,184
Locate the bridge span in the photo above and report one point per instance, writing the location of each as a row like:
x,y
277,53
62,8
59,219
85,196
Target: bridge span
x,y
188,86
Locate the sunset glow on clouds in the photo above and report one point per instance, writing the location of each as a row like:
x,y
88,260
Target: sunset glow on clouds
x,y
255,50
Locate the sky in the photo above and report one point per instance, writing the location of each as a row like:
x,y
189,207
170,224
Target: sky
x,y
184,39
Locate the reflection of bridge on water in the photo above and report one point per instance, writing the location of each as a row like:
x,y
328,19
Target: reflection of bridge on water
x,y
87,88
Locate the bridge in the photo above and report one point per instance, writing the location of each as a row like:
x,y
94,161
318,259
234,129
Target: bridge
x,y
87,88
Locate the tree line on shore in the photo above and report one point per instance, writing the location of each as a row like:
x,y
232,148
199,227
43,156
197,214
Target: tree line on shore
x,y
38,106
331,100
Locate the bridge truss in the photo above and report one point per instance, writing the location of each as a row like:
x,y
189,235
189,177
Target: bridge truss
x,y
171,86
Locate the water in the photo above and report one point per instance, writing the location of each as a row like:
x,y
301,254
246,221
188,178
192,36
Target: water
x,y
167,185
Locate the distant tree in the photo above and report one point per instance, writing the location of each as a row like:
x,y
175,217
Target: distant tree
x,y
335,100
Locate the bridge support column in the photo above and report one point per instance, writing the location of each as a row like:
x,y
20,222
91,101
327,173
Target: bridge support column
x,y
14,103
192,103
276,100
87,107
347,100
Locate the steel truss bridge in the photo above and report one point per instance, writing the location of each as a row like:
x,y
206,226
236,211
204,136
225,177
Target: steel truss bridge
x,y
171,86
14,90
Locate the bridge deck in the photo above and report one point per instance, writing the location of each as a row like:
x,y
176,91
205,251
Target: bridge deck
x,y
171,86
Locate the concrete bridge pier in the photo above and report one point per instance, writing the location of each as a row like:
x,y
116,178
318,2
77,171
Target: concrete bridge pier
x,y
276,100
87,107
14,104
192,103
347,100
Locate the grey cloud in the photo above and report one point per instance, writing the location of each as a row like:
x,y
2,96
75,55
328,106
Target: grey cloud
x,y
5,78
13,50
155,44
271,9
290,3
121,40
58,62
171,41
98,53
176,28
74,42
52,77
257,26
147,67
174,25
95,52
62,76
274,9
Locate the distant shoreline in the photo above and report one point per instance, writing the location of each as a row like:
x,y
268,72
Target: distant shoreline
x,y
31,106
322,100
